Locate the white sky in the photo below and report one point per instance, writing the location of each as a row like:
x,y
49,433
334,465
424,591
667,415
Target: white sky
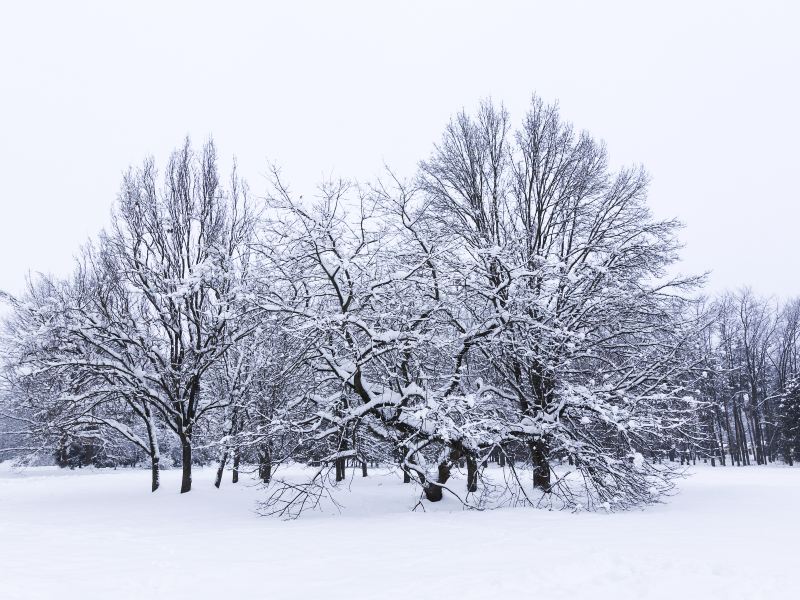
x,y
705,95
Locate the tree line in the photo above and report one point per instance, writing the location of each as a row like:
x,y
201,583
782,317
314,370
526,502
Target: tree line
x,y
513,302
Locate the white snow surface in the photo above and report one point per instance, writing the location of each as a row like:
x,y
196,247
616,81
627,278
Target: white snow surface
x,y
731,533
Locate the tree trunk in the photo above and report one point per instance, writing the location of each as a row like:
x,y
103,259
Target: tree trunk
x,y
221,468
265,463
236,458
341,463
154,451
718,436
761,457
729,431
541,466
186,464
155,476
406,472
741,434
434,492
223,460
472,474
363,468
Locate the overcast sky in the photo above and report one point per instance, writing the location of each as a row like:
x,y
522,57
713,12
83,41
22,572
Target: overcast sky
x,y
705,95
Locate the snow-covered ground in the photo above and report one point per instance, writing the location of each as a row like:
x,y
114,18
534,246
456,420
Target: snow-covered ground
x,y
730,533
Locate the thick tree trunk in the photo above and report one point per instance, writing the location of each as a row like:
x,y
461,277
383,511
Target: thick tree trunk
x,y
761,457
236,458
155,476
434,492
186,464
741,434
341,463
221,468
363,468
154,451
541,466
265,463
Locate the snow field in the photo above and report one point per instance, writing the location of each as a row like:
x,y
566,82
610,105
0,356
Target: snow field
x,y
730,533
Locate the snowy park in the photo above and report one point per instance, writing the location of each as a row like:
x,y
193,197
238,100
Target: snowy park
x,y
399,300
97,533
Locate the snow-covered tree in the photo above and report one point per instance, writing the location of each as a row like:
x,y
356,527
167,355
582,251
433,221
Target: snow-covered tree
x,y
181,250
517,293
153,307
593,340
